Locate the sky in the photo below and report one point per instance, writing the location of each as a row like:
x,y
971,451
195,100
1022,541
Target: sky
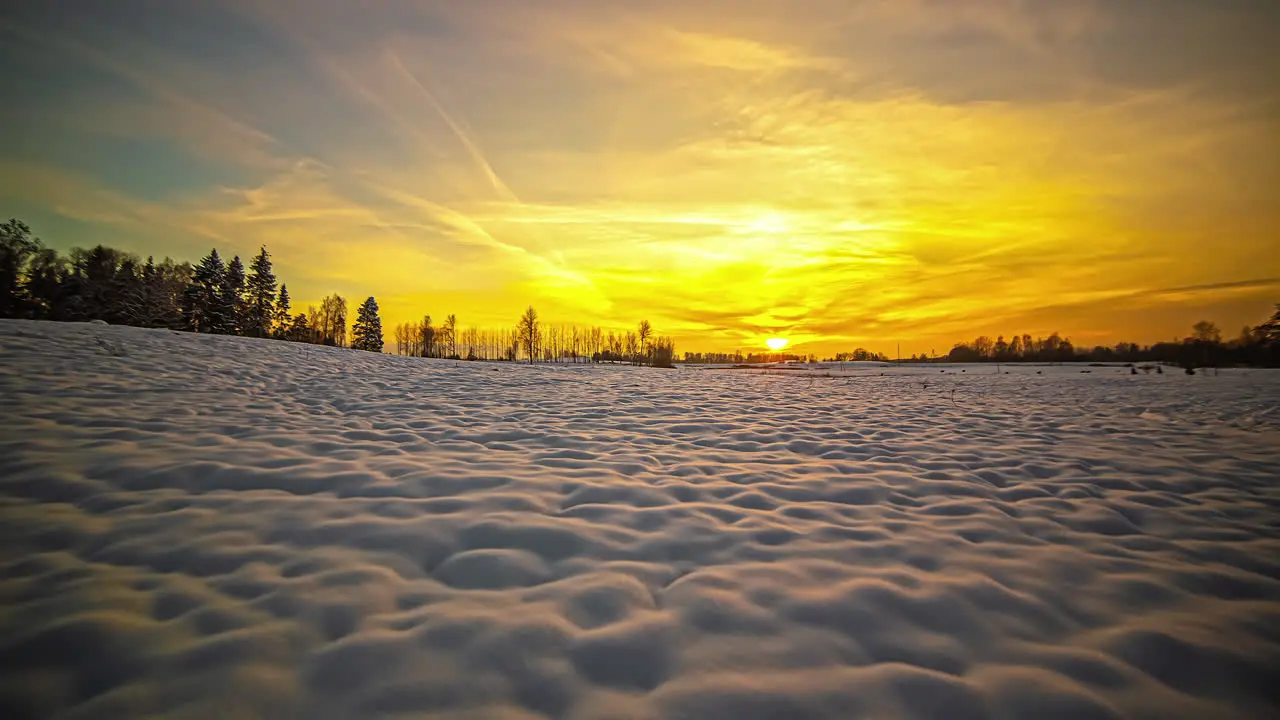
x,y
840,173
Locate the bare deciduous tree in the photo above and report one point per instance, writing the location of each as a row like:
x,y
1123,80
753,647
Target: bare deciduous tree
x,y
529,333
643,333
449,335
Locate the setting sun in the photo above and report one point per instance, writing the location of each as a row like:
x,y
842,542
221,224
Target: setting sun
x,y
776,344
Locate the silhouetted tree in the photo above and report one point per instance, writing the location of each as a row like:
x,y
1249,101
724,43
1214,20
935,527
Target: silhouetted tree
x,y
17,246
982,346
529,333
124,291
449,334
1001,349
470,339
99,283
260,297
231,299
643,332
300,330
427,337
42,288
631,347
1203,348
202,305
1269,331
858,355
510,344
664,352
144,298
155,297
330,321
1206,332
69,303
282,320
366,333
401,337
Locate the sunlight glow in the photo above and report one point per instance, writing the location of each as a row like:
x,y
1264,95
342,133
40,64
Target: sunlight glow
x,y
776,344
768,224
804,174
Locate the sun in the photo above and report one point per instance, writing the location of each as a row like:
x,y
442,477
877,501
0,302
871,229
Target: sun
x,y
776,344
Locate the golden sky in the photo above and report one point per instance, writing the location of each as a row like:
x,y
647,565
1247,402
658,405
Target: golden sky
x,y
841,173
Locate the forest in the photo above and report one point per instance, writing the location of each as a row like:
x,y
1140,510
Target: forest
x,y
225,297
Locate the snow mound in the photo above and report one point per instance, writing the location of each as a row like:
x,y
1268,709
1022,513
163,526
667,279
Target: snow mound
x,y
217,527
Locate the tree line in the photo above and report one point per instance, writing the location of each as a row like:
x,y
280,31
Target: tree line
x,y
226,298
1205,347
737,358
532,340
214,296
860,355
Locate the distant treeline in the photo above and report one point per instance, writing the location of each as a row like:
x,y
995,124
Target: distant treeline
x,y
737,358
533,340
1204,347
859,355
223,297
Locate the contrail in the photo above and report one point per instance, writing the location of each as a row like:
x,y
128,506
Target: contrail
x,y
473,150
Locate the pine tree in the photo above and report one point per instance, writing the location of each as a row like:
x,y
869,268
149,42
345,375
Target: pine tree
x,y
17,245
366,334
140,300
282,318
100,282
171,278
1270,330
43,285
231,299
125,285
299,329
201,303
260,296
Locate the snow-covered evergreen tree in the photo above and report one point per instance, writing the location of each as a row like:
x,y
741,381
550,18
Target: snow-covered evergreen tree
x,y
167,282
232,305
366,334
142,302
260,296
201,301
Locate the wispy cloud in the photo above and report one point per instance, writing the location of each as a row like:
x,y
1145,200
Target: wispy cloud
x,y
172,111
836,172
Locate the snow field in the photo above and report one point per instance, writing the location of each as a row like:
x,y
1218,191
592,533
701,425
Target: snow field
x,y
205,526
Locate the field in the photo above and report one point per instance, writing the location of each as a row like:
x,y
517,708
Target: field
x,y
224,527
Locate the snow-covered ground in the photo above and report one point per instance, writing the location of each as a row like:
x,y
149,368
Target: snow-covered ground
x,y
223,527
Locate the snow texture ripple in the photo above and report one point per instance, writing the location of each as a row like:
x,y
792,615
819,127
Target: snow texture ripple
x,y
221,527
